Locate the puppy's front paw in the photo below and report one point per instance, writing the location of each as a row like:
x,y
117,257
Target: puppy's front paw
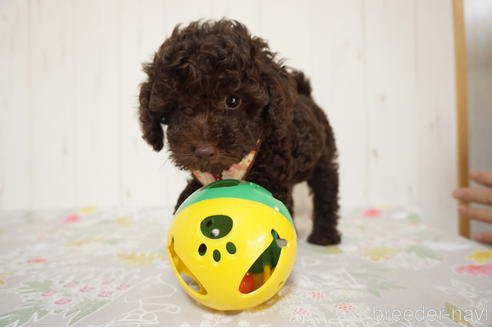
x,y
324,238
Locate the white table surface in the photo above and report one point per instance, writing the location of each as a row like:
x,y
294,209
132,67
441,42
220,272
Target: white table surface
x,y
108,267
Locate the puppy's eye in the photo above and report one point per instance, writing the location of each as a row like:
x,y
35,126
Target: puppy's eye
x,y
232,102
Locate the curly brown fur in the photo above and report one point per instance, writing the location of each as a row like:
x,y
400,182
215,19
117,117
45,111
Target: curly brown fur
x,y
189,81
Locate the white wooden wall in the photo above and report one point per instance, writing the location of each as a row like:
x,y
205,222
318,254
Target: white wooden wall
x,y
382,70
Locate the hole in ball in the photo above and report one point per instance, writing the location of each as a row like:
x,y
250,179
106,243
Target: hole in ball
x,y
224,183
202,249
231,248
216,255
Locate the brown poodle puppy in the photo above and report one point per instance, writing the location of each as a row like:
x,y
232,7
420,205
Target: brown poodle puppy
x,y
233,110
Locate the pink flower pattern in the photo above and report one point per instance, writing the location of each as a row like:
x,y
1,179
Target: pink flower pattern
x,y
301,311
48,293
72,218
62,301
345,307
36,260
475,269
105,293
372,213
86,289
71,284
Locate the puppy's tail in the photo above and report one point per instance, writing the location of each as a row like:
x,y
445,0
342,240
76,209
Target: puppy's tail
x,y
302,82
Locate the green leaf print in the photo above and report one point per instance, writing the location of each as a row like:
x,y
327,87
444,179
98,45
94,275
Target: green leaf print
x,y
372,277
83,309
378,285
333,250
34,287
21,316
423,252
31,309
413,218
456,314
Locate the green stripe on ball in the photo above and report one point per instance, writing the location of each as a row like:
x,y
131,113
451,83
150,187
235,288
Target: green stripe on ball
x,y
236,189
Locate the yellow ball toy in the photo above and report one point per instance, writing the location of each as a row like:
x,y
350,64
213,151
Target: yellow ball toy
x,y
232,245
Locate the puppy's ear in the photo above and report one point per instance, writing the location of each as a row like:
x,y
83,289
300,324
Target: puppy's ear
x,y
282,94
150,122
280,86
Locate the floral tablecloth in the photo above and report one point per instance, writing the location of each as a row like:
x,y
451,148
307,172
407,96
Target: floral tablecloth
x,y
108,267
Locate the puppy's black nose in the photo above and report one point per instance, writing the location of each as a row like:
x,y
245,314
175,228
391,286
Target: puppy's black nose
x,y
205,151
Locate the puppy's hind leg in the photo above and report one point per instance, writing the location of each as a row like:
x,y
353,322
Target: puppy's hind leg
x,y
324,187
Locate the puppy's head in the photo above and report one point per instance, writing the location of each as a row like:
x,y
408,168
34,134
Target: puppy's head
x,y
218,90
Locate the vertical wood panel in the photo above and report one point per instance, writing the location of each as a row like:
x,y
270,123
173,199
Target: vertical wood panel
x,y
290,40
185,11
247,12
53,123
461,107
436,103
15,115
140,28
337,57
95,106
220,8
390,100
134,173
148,178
